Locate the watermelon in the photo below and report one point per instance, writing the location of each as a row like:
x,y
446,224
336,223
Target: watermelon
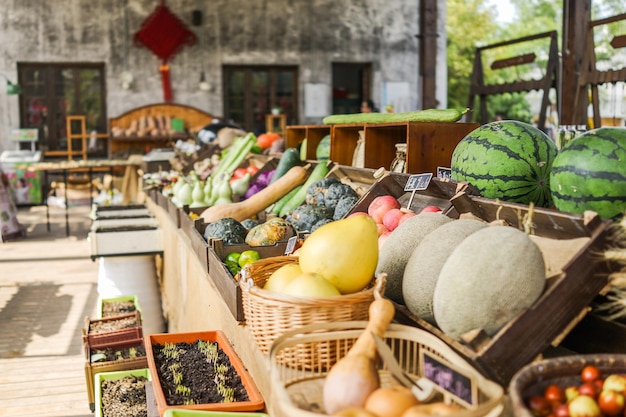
x,y
589,173
507,160
322,152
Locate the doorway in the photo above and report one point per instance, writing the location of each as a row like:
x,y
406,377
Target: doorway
x,y
352,83
250,93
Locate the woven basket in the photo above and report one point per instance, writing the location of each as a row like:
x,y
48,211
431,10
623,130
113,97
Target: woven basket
x,y
298,392
564,371
269,314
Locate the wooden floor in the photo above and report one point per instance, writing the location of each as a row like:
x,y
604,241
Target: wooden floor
x,y
47,288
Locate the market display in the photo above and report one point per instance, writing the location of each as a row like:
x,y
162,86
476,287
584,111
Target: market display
x,y
470,264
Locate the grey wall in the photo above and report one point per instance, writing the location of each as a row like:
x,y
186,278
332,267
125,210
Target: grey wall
x,y
311,34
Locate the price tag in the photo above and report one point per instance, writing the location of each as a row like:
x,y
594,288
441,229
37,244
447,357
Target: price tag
x,y
24,135
449,379
418,182
291,245
443,172
415,183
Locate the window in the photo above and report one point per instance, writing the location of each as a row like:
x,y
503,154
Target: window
x,y
250,92
52,91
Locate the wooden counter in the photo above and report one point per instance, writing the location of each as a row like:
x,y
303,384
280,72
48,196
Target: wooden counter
x,y
191,301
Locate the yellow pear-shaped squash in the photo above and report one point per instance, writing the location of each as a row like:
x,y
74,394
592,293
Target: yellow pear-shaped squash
x,y
345,252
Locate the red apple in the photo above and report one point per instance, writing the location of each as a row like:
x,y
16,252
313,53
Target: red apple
x,y
430,209
589,389
584,406
562,410
611,403
381,205
407,215
391,219
381,228
539,406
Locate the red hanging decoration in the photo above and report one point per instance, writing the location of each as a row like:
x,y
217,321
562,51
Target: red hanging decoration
x,y
165,35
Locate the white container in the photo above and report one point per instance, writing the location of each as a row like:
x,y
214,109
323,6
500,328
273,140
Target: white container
x,y
106,240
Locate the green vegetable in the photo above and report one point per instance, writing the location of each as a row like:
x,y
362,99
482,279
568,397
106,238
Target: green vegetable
x,y
289,159
318,173
278,206
227,229
305,216
429,115
303,146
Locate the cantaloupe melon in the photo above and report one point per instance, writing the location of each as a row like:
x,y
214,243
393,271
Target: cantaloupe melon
x,y
425,263
492,275
395,253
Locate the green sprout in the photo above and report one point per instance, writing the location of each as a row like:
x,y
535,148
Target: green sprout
x,y
118,355
189,401
170,350
132,352
183,390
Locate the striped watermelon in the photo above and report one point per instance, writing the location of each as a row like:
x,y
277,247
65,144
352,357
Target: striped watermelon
x,y
507,160
590,173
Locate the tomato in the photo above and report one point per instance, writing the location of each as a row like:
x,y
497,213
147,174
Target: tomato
x,y
590,373
554,393
238,173
252,169
248,256
539,406
611,403
589,389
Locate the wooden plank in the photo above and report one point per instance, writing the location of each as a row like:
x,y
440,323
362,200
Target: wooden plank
x,y
514,61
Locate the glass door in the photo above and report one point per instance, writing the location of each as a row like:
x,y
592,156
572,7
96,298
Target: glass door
x,y
251,92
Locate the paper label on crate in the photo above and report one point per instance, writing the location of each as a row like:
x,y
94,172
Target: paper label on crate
x,y
418,182
444,173
291,245
449,379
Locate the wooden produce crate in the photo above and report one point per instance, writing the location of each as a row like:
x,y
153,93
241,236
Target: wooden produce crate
x,y
115,337
173,211
438,193
577,279
429,144
93,368
224,280
313,134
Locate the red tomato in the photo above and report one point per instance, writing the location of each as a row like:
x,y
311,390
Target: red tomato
x,y
554,393
239,172
590,373
611,403
539,406
252,169
589,389
562,411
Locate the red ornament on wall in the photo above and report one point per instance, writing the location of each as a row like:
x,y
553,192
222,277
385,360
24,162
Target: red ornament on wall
x,y
165,35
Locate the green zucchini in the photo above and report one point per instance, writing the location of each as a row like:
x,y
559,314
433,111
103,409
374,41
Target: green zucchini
x,y
429,115
278,206
289,159
298,198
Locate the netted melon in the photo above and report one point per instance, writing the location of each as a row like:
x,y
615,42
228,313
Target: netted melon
x,y
395,253
426,261
492,276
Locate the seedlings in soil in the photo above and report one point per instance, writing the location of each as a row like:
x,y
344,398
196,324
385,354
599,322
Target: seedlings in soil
x,y
132,353
183,390
170,350
118,355
209,349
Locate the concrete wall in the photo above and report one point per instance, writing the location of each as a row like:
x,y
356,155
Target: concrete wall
x,y
311,34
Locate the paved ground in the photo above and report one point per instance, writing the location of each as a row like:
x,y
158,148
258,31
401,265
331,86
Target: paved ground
x,y
47,288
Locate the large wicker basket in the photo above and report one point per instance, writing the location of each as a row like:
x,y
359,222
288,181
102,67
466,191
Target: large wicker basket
x,y
564,371
269,314
298,391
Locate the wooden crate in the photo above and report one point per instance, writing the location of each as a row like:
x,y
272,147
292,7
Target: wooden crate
x,y
562,304
438,193
313,134
173,211
429,144
115,337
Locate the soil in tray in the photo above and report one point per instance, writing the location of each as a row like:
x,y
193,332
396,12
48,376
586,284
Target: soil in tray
x,y
112,325
124,397
116,308
197,373
116,354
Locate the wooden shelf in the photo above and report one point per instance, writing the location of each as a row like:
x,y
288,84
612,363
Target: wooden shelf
x,y
313,133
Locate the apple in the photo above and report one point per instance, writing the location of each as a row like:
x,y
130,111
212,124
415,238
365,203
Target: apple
x,y
381,229
584,406
539,405
391,219
430,209
561,410
310,284
407,215
615,382
381,205
390,401
382,238
611,402
589,389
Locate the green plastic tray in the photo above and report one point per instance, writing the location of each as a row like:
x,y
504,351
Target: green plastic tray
x,y
105,376
132,298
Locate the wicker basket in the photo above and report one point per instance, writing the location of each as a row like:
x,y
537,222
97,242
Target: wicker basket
x,y
269,314
297,391
564,371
